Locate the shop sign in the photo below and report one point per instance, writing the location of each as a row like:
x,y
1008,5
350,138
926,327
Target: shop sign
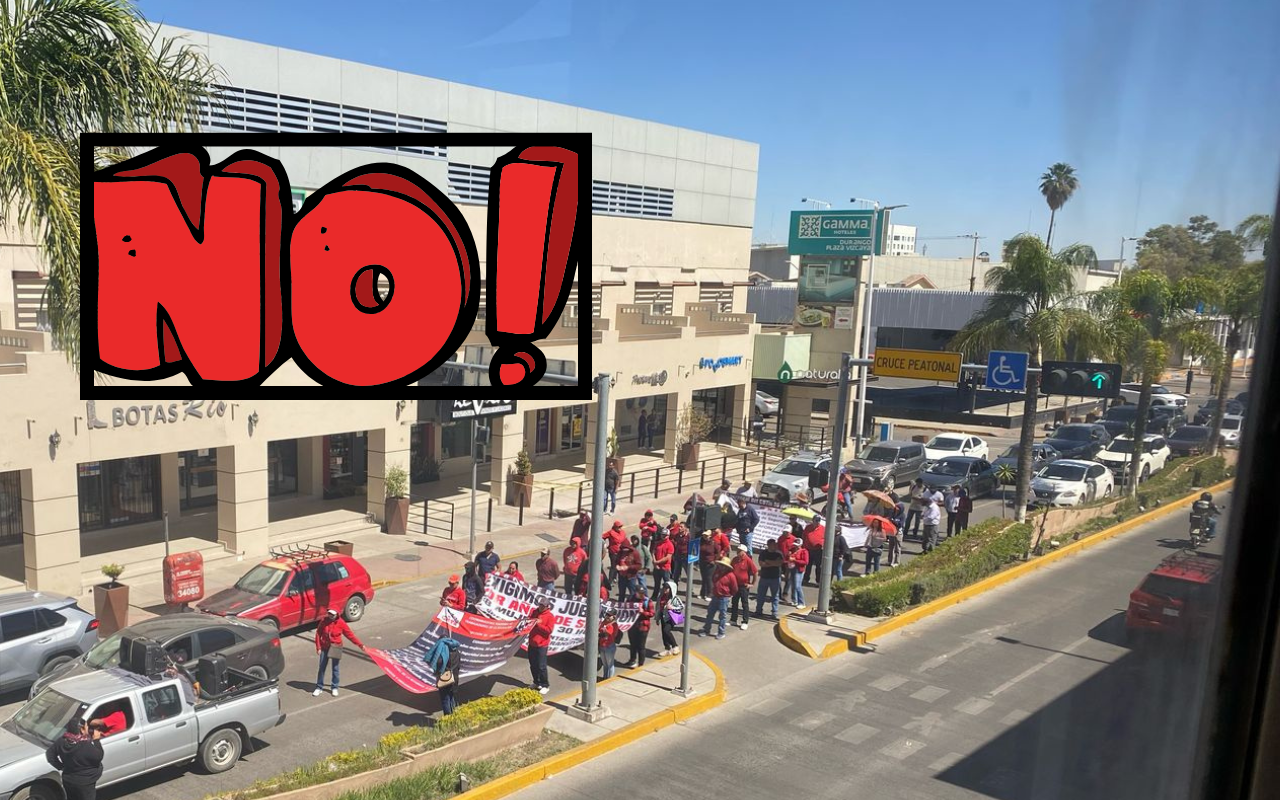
x,y
836,233
652,379
453,410
157,414
184,577
844,317
714,364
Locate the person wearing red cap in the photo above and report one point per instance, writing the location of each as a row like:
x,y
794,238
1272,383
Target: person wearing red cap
x,y
544,624
454,596
548,570
744,569
613,539
574,558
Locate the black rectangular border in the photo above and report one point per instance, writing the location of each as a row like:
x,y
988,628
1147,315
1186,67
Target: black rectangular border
x,y
579,142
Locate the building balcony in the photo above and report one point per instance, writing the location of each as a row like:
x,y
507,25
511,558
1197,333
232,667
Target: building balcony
x,y
708,320
637,321
598,326
14,346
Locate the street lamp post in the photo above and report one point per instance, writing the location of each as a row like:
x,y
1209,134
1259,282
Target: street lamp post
x,y
866,313
833,491
1124,239
588,707
816,203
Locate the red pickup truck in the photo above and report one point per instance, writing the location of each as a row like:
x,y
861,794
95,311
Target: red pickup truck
x,y
294,588
1178,597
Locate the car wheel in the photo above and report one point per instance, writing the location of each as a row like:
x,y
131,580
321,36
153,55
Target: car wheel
x,y
37,792
354,609
258,672
1146,473
54,663
272,621
221,751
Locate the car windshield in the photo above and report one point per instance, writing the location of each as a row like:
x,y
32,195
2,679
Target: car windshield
x,y
263,580
944,443
875,453
1190,432
105,653
1126,413
1062,472
1159,390
949,467
46,716
1120,446
1229,424
1012,451
1073,433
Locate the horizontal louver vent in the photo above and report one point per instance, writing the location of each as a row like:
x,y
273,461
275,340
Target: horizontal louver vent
x,y
468,183
608,197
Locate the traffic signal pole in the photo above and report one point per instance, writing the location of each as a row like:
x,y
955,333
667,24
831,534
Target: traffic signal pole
x,y
833,489
588,707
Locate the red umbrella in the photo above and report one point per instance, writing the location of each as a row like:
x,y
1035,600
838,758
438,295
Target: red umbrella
x,y
888,526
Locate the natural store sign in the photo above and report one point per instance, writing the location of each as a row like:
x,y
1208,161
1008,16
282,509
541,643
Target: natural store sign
x,y
154,414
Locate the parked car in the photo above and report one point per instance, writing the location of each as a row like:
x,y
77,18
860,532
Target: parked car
x,y
1154,456
165,724
1078,440
1232,427
1243,399
1041,454
974,474
1204,414
954,444
766,404
886,464
1159,395
39,633
292,589
1190,440
1071,482
791,477
249,646
1120,420
1176,597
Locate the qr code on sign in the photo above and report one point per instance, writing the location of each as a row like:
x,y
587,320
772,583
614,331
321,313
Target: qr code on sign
x,y
810,225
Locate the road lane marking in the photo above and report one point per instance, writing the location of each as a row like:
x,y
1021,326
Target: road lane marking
x,y
857,734
924,725
1015,716
1032,670
769,707
813,721
901,748
974,706
930,693
946,762
888,683
981,637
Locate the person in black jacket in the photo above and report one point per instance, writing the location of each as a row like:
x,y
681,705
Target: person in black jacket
x,y
472,584
78,756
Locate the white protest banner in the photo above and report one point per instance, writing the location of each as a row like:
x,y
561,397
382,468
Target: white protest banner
x,y
773,523
854,535
510,599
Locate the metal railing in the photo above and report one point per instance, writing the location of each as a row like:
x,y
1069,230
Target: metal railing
x,y
436,518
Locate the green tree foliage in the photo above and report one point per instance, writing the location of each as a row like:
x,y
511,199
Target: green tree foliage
x,y
1199,248
1255,230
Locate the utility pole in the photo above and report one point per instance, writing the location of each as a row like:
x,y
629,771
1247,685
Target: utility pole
x,y
1124,239
695,546
973,264
588,707
833,504
476,455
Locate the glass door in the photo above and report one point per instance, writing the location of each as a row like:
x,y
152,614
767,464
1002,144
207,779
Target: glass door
x,y
89,487
572,425
542,437
198,478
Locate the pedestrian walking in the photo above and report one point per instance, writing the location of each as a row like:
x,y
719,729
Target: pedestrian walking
x,y
748,519
613,539
845,497
932,516
952,501
815,536
628,567
574,557
611,479
454,596
842,559
638,633
487,562
608,641
667,600
642,427
547,569
679,536
963,510
78,755
472,584
640,581
544,624
329,637
1189,374
744,569
771,563
799,558
445,659
874,545
724,586
663,554
708,554
915,510
894,541
581,526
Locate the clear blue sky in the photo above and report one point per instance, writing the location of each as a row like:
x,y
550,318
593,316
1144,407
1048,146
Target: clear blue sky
x,y
1166,108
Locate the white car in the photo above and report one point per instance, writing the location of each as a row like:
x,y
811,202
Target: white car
x,y
791,478
954,444
1232,427
1070,482
766,404
1155,454
1160,396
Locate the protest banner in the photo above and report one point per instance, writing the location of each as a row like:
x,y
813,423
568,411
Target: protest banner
x,y
486,644
773,523
509,599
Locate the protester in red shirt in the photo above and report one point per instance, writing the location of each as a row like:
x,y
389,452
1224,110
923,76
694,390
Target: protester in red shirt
x,y
798,560
581,527
722,540
744,569
613,539
708,554
784,546
544,624
629,564
724,585
574,557
663,554
513,571
638,633
680,541
609,635
584,583
815,533
329,636
114,722
453,596
548,570
648,525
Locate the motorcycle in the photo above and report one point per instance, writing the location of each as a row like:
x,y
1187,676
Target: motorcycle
x,y
1202,529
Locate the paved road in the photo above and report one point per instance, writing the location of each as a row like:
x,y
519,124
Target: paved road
x,y
1027,692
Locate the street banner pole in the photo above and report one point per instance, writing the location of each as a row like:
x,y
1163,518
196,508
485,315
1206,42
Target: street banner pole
x,y
591,649
833,488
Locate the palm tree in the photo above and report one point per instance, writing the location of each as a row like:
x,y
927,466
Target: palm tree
x,y
1034,308
1236,296
66,67
1057,185
1256,231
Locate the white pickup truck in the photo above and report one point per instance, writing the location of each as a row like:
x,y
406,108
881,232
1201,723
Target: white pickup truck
x,y
166,723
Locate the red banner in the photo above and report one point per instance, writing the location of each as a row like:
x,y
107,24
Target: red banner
x,y
485,644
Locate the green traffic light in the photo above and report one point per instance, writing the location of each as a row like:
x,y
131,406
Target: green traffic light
x,y
1098,379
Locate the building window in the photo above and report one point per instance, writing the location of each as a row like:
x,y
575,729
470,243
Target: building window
x,y
821,406
660,297
631,200
10,507
346,463
542,431
422,453
197,478
28,301
455,439
282,467
717,293
125,491
573,421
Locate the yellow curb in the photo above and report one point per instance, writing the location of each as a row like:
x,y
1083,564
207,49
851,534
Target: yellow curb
x,y
1013,573
534,773
793,642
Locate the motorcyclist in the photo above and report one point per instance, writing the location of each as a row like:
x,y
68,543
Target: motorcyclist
x,y
1205,509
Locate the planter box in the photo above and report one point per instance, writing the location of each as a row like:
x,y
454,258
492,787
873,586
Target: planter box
x,y
339,546
520,490
397,516
111,607
481,745
688,455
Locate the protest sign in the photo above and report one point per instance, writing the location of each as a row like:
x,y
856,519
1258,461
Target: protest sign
x,y
486,644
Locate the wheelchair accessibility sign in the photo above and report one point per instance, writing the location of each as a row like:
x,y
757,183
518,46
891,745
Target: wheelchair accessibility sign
x,y
1007,371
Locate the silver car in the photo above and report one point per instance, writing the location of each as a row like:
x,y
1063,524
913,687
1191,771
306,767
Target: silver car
x,y
791,477
39,632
